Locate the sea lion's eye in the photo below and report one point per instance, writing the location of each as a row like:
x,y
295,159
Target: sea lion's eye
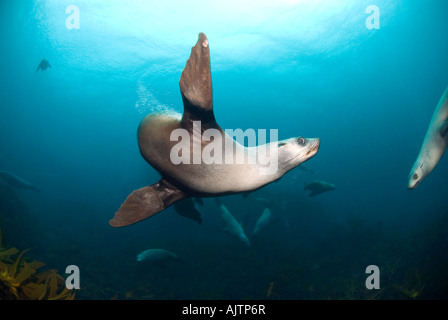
x,y
415,176
301,140
281,144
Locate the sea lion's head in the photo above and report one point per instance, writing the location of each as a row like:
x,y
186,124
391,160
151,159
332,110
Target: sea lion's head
x,y
416,175
294,151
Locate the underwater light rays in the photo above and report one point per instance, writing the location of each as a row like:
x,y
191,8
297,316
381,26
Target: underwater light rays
x,y
133,31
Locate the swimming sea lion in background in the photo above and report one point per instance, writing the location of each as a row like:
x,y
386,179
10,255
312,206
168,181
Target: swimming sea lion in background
x,y
157,256
267,218
434,144
16,181
229,224
317,187
43,65
201,179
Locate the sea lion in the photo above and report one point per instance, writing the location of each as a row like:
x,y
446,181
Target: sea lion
x,y
317,187
266,219
16,182
157,256
43,65
229,224
434,144
201,179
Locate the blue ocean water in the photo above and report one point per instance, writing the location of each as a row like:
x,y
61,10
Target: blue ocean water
x,y
306,68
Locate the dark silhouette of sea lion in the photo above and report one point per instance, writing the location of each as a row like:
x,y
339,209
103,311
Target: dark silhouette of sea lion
x,y
16,181
317,187
43,65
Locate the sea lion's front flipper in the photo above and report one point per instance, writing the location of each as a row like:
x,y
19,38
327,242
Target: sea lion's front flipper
x,y
145,202
196,86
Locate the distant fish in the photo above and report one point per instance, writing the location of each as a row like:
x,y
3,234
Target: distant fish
x,y
434,144
317,187
157,256
43,65
230,225
16,181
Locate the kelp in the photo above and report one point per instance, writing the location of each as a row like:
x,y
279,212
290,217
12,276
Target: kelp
x,y
19,279
412,285
48,287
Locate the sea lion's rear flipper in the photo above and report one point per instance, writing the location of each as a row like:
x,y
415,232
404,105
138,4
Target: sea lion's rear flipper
x,y
145,202
41,65
196,86
186,208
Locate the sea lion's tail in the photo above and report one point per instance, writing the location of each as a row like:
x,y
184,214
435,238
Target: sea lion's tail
x,y
146,202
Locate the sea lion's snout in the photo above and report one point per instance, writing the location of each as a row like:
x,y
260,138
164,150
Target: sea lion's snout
x,y
414,181
314,145
416,175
